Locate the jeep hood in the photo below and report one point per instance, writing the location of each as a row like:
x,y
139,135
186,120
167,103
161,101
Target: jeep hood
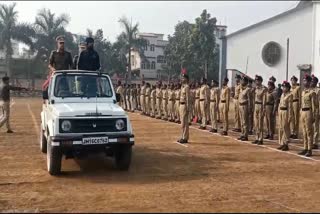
x,y
85,109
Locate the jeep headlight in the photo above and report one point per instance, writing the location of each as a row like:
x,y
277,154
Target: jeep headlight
x,y
120,124
66,125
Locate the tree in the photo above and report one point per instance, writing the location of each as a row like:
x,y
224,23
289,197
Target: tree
x,y
48,26
130,40
11,29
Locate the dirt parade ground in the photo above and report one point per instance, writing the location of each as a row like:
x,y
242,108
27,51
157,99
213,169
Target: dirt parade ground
x,y
210,174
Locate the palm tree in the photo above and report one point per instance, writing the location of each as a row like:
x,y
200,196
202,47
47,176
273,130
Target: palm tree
x,y
11,29
131,41
48,26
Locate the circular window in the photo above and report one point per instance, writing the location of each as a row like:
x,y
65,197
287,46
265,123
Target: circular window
x,y
271,53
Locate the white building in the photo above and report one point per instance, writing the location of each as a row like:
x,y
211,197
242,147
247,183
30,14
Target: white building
x,y
282,46
149,66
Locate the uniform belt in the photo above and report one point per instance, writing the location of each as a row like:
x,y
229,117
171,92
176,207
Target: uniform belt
x,y
158,97
269,104
146,95
283,108
223,101
295,100
258,103
183,103
213,101
306,109
171,99
243,104
201,100
197,98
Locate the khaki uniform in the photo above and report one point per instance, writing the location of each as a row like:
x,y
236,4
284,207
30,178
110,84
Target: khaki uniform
x,y
285,116
142,98
308,103
296,99
214,100
203,104
177,104
120,91
147,100
153,102
171,102
6,115
260,100
128,95
138,98
165,104
197,103
244,101
192,100
158,102
271,104
224,106
183,110
236,107
251,109
208,104
316,119
133,99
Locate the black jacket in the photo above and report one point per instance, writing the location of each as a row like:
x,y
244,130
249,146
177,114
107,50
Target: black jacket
x,y
89,60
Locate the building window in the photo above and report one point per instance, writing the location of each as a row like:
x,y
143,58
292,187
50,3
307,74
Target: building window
x,y
143,65
161,59
153,65
148,65
151,47
271,53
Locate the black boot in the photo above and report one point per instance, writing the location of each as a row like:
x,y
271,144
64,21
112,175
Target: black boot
x,y
303,152
281,147
244,138
260,142
267,137
285,148
309,153
255,142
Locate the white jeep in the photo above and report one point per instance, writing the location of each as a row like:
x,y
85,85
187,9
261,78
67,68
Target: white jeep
x,y
81,116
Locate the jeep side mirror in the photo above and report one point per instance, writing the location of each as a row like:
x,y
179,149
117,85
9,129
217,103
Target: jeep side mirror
x,y
118,97
45,95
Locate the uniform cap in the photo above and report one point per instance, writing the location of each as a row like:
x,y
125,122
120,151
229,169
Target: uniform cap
x,y
258,78
238,76
286,84
60,38
273,79
226,79
294,78
314,79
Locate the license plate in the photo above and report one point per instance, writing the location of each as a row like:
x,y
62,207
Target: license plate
x,y
95,140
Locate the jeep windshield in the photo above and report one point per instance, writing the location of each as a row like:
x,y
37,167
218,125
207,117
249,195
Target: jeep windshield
x,y
82,85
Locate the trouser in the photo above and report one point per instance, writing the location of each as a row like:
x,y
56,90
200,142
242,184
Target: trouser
x,y
270,118
208,111
177,110
284,127
307,128
296,117
316,130
158,102
191,110
133,103
123,102
171,109
243,113
153,107
197,109
147,105
224,114
203,113
6,115
213,115
165,109
143,109
128,103
251,124
236,114
138,103
183,111
258,122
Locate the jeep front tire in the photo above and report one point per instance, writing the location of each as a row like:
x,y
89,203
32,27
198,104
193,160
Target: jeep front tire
x,y
122,157
54,157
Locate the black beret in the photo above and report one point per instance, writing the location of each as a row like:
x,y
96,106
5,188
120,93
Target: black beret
x,y
89,40
226,79
286,84
238,76
314,79
294,78
259,78
273,79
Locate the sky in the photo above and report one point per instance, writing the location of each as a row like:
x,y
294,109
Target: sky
x,y
152,16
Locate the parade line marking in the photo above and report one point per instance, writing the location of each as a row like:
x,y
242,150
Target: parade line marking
x,y
248,143
35,123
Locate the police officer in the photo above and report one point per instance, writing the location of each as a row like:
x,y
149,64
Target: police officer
x,y
5,97
308,100
159,99
184,109
296,93
142,97
316,90
251,107
197,102
203,103
171,102
244,106
89,59
285,116
214,100
259,109
224,105
165,102
120,91
270,109
236,104
272,79
153,101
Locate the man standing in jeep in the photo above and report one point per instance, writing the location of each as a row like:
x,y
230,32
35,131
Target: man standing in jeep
x,y
89,59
